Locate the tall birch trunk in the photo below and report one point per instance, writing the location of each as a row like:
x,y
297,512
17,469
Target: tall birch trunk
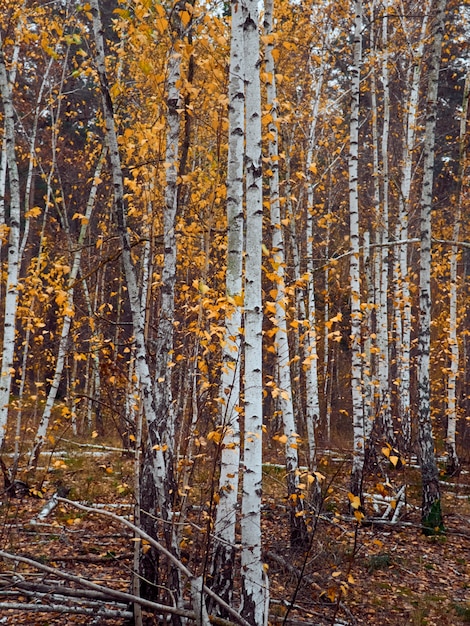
x,y
226,516
431,502
385,409
11,296
403,313
253,579
452,462
163,429
298,528
354,269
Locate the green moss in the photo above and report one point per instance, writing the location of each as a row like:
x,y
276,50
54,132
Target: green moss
x,y
433,524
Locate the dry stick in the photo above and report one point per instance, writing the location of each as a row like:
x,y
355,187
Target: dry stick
x,y
120,595
58,608
82,602
158,546
55,590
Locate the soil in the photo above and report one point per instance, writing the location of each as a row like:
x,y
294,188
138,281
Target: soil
x,y
353,572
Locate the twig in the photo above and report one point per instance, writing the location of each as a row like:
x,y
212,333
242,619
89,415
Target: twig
x,y
158,546
60,608
120,595
96,446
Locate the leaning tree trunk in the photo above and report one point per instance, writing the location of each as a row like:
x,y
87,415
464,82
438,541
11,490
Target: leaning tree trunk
x,y
156,461
431,515
68,318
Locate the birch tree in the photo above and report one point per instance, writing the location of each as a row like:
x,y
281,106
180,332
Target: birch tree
x,y
354,267
299,534
156,461
431,502
226,515
403,302
452,462
254,588
13,260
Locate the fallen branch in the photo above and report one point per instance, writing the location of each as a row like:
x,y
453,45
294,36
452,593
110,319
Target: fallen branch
x,y
33,587
114,593
158,546
60,608
96,446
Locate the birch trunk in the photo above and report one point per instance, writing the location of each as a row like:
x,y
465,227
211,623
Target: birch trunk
x,y
253,579
354,269
226,516
161,431
158,483
452,463
382,310
298,529
403,313
431,503
11,296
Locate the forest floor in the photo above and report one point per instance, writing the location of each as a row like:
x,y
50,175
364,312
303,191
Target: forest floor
x,y
373,572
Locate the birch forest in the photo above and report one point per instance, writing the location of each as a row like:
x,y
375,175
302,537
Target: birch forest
x,y
234,321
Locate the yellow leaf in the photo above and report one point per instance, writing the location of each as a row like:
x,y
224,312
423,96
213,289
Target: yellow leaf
x,y
215,436
94,434
386,451
336,574
359,516
354,500
282,438
33,212
185,18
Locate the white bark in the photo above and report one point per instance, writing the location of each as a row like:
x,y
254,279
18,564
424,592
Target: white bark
x,y
354,269
11,296
402,303
452,456
431,508
312,414
253,584
226,515
382,308
299,534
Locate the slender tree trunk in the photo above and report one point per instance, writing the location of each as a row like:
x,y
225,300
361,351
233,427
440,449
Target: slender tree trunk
x,y
452,463
431,504
156,480
163,429
298,535
385,409
226,516
354,269
68,318
11,297
403,313
253,577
